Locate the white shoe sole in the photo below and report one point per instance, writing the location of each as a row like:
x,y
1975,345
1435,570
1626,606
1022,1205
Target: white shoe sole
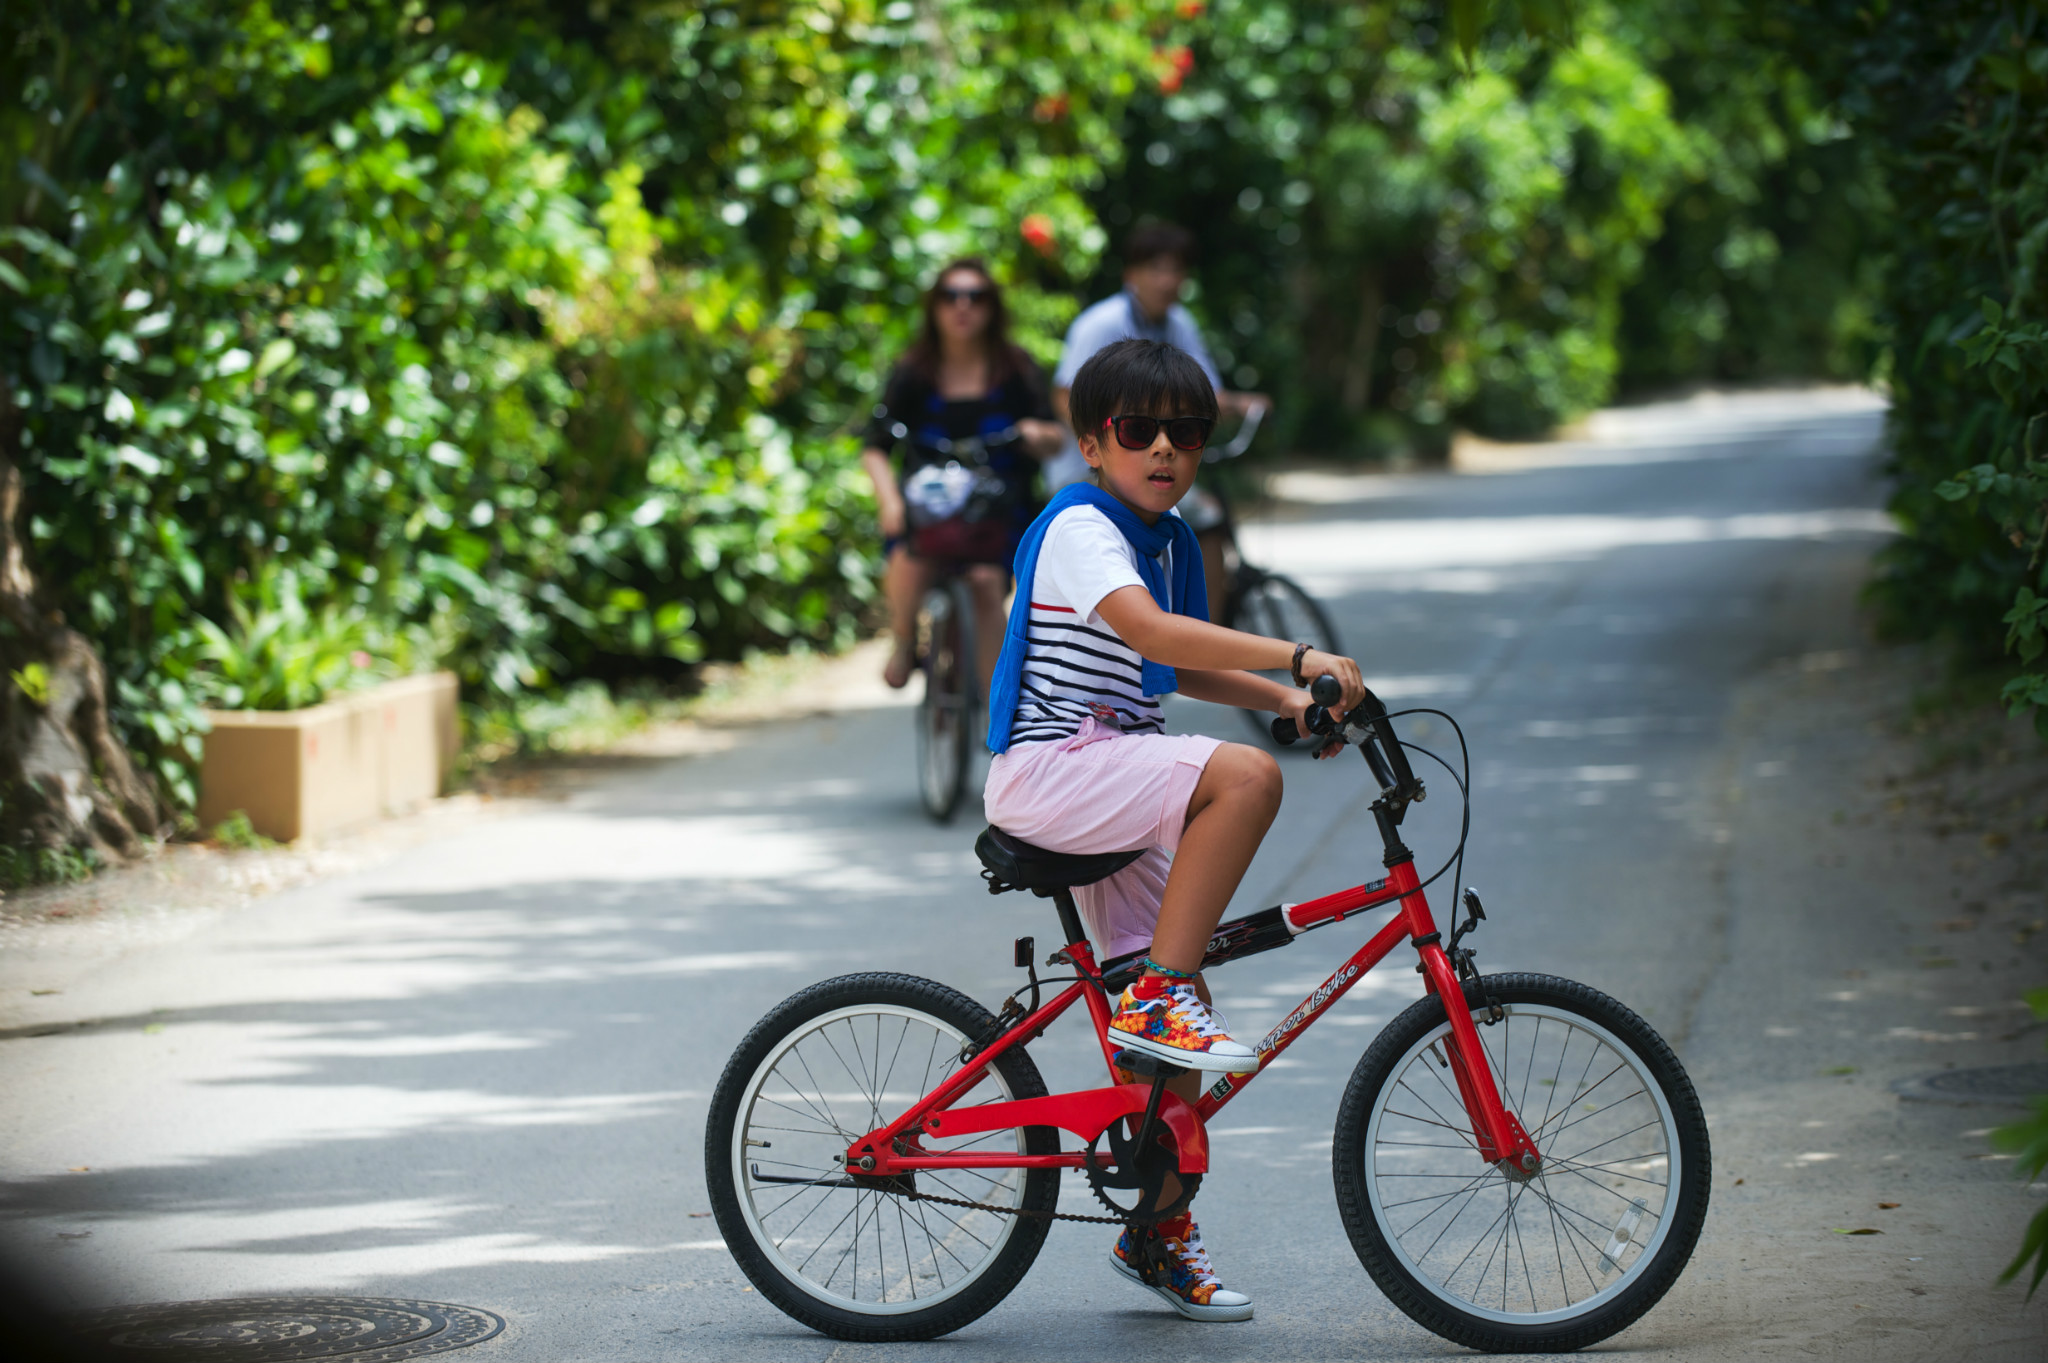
x,y
1173,1299
1194,1060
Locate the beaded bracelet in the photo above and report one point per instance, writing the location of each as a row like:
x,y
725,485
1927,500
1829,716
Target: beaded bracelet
x,y
1169,971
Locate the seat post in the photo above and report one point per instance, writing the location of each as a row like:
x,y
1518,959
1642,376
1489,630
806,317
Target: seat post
x,y
1070,917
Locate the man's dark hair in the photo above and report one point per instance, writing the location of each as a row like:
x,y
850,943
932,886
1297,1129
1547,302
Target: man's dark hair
x,y
1147,378
1149,241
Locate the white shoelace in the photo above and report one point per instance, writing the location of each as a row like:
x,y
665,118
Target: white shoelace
x,y
1187,1005
1196,1260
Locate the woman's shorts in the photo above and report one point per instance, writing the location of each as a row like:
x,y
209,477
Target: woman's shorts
x,y
1104,791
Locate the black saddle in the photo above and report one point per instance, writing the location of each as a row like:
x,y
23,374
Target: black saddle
x,y
1013,864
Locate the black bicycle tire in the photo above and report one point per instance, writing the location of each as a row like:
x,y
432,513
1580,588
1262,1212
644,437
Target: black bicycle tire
x,y
1041,1186
964,737
942,804
1325,632
1369,1240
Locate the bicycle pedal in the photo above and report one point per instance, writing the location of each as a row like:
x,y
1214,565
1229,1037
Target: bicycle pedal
x,y
1151,1066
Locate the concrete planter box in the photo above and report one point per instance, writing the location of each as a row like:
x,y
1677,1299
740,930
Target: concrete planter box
x,y
301,773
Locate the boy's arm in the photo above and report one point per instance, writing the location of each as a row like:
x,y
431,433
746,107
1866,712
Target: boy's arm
x,y
1182,642
1246,691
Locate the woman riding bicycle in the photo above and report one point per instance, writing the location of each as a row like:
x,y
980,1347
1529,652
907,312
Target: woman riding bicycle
x,y
961,385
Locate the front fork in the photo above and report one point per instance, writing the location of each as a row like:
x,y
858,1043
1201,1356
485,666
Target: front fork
x,y
1501,1140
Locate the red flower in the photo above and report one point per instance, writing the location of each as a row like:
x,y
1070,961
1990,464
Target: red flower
x,y
1050,109
1174,65
1191,9
1037,230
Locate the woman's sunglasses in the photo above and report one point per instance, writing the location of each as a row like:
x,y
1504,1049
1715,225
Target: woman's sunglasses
x,y
1183,432
973,297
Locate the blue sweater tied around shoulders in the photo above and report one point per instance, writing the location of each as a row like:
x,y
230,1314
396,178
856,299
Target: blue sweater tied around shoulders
x,y
1185,594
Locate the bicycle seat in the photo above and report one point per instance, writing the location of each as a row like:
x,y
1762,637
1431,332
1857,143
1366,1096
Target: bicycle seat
x,y
1013,864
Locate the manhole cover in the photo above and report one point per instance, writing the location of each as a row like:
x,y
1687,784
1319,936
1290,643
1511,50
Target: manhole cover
x,y
2008,1084
263,1329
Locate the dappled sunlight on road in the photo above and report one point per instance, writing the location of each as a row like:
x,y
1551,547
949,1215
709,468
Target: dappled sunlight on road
x,y
1454,553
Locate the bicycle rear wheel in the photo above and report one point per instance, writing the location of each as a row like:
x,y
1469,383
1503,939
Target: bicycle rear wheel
x,y
945,716
856,1258
1541,1263
1277,607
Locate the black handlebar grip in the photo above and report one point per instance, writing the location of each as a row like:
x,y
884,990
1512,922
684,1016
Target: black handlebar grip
x,y
1284,732
1326,690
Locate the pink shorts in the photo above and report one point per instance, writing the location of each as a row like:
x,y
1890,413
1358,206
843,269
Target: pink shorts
x,y
1104,791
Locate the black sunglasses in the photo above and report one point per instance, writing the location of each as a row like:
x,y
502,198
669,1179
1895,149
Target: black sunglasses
x,y
963,295
1183,432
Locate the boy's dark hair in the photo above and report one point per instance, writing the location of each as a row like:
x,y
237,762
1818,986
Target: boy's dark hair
x,y
1141,377
1149,241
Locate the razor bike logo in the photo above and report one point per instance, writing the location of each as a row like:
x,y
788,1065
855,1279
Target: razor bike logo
x,y
1314,1004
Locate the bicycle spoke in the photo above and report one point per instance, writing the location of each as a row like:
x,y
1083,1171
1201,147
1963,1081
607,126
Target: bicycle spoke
x,y
1654,1121
1478,1239
1470,1198
874,1248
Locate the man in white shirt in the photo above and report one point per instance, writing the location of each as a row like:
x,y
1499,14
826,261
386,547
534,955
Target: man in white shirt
x,y
1157,257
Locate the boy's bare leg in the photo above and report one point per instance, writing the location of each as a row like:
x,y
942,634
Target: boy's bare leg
x,y
1187,1086
1232,807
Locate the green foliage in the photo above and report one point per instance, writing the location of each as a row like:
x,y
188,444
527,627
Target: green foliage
x,y
1953,102
1399,236
533,334
1770,260
2028,1140
22,867
236,832
281,656
33,681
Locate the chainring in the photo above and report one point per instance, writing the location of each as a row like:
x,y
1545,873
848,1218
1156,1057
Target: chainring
x,y
1143,1173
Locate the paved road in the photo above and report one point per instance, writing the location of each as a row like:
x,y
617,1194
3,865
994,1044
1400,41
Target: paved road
x,y
478,1073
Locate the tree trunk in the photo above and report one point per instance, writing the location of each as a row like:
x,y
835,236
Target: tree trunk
x,y
1357,394
66,779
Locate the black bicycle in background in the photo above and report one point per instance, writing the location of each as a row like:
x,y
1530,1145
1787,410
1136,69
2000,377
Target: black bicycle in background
x,y
1257,600
955,503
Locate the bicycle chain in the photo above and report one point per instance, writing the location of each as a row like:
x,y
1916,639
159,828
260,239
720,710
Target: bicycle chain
x,y
1009,1211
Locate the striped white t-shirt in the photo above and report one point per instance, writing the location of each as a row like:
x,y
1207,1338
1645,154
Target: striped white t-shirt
x,y
1076,665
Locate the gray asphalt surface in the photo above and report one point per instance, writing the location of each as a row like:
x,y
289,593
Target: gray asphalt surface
x,y
478,1073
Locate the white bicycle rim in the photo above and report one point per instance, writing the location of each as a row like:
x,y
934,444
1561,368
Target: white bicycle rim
x,y
859,1076
1596,1222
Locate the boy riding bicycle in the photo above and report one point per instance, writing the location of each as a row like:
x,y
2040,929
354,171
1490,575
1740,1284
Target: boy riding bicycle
x,y
1111,613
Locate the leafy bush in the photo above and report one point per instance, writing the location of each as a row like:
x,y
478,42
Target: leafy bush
x,y
1953,102
2029,1141
21,867
237,833
1397,240
531,336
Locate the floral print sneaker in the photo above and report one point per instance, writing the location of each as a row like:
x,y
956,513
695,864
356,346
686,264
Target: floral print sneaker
x,y
1188,1281
1176,1026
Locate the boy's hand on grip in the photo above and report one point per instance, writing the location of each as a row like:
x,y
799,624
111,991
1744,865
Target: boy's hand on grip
x,y
1316,663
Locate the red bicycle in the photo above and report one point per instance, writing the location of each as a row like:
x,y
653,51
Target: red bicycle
x,y
1520,1161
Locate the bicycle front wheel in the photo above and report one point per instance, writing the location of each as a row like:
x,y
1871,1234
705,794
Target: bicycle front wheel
x,y
1277,607
945,717
1547,1262
853,1257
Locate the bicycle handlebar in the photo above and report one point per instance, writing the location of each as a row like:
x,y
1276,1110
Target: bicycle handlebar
x,y
972,446
1367,725
1240,442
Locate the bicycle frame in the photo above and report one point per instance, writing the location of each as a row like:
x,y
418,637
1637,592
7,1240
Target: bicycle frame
x,y
1498,1135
